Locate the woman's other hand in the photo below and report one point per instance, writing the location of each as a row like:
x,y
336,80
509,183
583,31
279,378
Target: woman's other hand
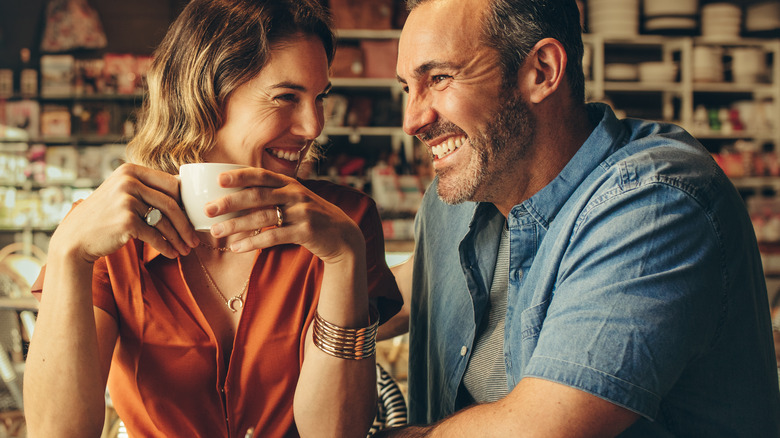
x,y
307,220
114,214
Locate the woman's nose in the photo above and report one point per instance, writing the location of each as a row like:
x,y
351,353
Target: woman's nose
x,y
309,121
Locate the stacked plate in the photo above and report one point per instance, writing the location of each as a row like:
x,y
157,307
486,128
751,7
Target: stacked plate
x,y
614,18
657,71
763,16
748,65
721,21
708,64
670,14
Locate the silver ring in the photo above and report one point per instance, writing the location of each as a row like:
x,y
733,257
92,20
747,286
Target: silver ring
x,y
279,217
153,216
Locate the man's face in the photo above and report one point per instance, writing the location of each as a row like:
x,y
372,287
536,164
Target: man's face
x,y
475,128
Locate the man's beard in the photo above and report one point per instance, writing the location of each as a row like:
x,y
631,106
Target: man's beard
x,y
495,150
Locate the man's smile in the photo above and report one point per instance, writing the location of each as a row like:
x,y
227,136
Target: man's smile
x,y
447,146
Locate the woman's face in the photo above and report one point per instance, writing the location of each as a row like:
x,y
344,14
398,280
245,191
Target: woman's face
x,y
271,120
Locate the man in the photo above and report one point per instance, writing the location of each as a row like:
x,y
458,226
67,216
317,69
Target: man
x,y
574,274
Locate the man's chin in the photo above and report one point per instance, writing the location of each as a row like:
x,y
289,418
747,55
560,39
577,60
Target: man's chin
x,y
453,195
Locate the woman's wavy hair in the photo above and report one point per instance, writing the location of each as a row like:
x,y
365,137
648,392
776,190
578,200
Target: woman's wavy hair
x,y
513,27
212,48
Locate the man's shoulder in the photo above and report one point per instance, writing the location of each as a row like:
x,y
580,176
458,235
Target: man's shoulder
x,y
663,152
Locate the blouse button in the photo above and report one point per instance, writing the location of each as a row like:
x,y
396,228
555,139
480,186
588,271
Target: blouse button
x,y
463,350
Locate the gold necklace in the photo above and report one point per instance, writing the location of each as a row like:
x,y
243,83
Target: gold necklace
x,y
238,299
215,248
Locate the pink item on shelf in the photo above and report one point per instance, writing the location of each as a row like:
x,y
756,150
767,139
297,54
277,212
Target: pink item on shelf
x,y
72,24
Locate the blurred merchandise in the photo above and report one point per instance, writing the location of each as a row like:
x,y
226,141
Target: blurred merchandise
x,y
658,71
336,109
721,21
348,62
662,15
6,82
393,192
744,159
89,78
120,73
708,63
21,120
763,16
379,58
28,77
72,24
398,229
614,18
363,14
55,121
13,163
61,164
57,73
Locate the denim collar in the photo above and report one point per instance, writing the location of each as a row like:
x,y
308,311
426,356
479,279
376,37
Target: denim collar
x,y
609,135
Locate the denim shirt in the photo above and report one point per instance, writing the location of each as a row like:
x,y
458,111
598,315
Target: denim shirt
x,y
634,276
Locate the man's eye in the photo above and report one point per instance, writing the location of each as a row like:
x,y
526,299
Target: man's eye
x,y
439,78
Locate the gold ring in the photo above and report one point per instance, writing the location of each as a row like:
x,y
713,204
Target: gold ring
x,y
256,232
279,217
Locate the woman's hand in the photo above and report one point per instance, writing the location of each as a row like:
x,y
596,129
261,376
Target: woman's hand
x,y
114,214
308,220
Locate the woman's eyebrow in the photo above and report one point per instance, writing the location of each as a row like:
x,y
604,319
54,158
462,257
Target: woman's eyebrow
x,y
298,87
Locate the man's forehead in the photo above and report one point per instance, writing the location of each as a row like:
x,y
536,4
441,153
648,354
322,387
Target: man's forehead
x,y
438,32
451,13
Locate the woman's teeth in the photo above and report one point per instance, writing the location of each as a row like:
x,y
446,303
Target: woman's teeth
x,y
446,147
285,155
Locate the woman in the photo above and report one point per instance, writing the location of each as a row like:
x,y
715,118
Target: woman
x,y
145,296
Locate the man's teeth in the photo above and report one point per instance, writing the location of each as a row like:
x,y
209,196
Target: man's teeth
x,y
447,147
285,155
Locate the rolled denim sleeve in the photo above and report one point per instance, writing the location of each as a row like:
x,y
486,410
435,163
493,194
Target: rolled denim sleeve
x,y
639,294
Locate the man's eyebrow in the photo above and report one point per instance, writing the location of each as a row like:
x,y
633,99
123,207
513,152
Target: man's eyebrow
x,y
423,69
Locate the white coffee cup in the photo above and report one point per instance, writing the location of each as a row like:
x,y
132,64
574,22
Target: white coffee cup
x,y
199,184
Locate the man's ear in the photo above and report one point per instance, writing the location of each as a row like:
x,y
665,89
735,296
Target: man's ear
x,y
543,70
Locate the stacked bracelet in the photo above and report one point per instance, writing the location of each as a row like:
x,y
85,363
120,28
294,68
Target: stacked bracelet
x,y
345,343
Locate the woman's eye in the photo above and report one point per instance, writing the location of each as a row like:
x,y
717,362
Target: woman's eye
x,y
287,97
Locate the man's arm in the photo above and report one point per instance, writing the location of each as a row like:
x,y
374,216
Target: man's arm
x,y
534,408
399,323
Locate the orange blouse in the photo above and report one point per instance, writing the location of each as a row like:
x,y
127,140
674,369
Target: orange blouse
x,y
164,374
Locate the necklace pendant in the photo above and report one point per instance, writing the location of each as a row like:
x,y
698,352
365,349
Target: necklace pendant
x,y
234,300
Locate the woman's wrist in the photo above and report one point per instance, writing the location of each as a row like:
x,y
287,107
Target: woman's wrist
x,y
68,253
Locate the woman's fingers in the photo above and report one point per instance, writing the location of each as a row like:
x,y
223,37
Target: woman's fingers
x,y
164,237
260,190
116,213
165,197
161,190
254,221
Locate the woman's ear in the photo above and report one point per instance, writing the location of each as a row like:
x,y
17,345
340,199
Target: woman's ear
x,y
543,70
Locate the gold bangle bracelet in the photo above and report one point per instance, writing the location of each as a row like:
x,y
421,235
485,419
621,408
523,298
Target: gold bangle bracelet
x,y
346,343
